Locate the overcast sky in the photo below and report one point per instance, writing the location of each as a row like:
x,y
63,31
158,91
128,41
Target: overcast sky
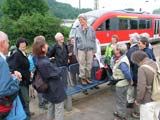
x,y
146,5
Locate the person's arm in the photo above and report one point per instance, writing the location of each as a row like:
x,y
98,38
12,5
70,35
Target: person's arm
x,y
125,70
94,45
52,51
141,86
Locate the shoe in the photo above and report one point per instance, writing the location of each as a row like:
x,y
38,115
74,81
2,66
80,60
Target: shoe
x,y
118,117
135,115
96,87
116,114
43,106
31,113
89,81
83,82
130,105
85,92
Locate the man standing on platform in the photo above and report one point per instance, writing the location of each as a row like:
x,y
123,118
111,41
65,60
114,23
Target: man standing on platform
x,y
84,48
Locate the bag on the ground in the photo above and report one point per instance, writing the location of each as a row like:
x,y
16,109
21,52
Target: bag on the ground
x,y
155,88
101,74
38,82
17,112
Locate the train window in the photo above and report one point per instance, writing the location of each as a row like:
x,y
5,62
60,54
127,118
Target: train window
x,y
108,24
114,24
123,24
142,24
133,24
101,27
148,23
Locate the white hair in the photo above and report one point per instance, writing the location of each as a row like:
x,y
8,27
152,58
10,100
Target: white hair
x,y
135,37
58,34
122,47
3,37
146,35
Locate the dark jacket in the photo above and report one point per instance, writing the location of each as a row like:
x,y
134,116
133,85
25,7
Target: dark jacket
x,y
51,74
21,64
72,58
60,54
150,53
134,67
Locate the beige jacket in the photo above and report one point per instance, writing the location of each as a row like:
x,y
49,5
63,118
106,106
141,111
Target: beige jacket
x,y
145,78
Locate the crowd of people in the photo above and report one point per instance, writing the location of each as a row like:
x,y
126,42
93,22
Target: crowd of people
x,y
125,66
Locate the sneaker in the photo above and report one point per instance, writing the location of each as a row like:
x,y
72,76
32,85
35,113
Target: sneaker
x,y
96,87
85,92
135,115
43,106
89,81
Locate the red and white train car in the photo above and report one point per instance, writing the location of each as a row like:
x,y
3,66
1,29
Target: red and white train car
x,y
121,23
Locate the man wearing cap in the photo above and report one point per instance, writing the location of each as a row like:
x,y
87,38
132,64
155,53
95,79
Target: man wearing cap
x,y
84,48
134,38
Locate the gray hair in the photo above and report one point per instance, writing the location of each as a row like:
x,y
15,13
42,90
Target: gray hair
x,y
138,56
135,37
3,37
58,34
122,47
82,16
146,35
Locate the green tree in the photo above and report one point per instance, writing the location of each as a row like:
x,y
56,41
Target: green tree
x,y
29,19
15,8
156,11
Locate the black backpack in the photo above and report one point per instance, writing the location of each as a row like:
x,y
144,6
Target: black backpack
x,y
10,59
38,81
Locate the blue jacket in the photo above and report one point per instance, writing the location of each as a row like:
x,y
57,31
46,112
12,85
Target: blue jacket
x,y
51,74
150,53
8,84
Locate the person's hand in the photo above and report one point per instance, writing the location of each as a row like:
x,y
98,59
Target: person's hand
x,y
70,54
131,82
18,75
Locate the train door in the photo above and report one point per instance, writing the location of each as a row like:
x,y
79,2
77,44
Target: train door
x,y
156,28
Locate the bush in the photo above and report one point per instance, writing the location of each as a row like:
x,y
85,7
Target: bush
x,y
31,26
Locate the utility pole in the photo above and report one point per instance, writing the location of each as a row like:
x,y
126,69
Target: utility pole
x,y
79,4
96,4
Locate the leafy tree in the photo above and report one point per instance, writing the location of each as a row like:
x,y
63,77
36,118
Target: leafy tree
x,y
28,18
15,8
129,9
31,26
156,11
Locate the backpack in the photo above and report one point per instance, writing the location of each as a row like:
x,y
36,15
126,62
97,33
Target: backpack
x,y
38,81
155,88
10,59
6,105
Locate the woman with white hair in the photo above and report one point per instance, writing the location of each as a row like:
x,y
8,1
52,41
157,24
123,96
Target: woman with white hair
x,y
121,74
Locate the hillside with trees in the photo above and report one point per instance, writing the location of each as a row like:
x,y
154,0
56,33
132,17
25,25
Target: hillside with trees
x,y
63,10
29,18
